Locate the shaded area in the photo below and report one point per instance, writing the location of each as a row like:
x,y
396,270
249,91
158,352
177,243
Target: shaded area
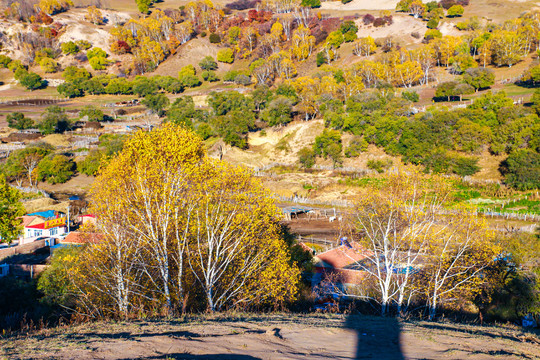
x,y
376,341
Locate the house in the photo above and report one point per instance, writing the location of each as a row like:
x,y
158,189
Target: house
x,y
76,237
48,223
87,219
341,265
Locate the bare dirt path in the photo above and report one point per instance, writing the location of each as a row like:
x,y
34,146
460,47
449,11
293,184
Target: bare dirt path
x,y
285,336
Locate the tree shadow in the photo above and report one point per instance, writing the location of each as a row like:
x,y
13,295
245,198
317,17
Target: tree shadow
x,y
376,339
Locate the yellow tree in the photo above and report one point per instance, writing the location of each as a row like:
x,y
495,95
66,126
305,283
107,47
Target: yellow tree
x,y
364,46
94,15
408,73
457,258
306,89
506,47
302,43
175,226
236,252
396,221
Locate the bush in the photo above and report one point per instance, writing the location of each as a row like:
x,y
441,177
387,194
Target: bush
x,y
311,3
368,19
96,52
410,95
54,119
69,48
479,78
18,121
521,169
345,1
209,76
306,157
321,59
70,90
49,65
190,81
357,146
98,63
379,165
5,61
242,79
92,114
208,63
30,80
432,34
55,169
225,56
455,11
433,23
214,38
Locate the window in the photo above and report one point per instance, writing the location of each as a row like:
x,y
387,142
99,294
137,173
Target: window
x,y
38,232
53,231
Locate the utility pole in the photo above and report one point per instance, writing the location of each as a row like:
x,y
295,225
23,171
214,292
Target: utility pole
x,y
68,218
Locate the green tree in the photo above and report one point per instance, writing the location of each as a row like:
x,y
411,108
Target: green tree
x,y
521,169
30,80
55,169
208,63
92,113
10,209
156,103
182,112
311,3
225,56
455,11
96,52
70,90
54,119
479,77
18,121
23,163
91,164
143,86
278,111
306,157
69,48
328,145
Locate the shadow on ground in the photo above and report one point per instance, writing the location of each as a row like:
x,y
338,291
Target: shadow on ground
x,y
376,340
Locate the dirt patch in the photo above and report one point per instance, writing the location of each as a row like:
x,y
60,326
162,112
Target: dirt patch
x,y
277,336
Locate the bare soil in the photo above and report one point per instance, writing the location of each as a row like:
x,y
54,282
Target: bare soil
x,y
277,336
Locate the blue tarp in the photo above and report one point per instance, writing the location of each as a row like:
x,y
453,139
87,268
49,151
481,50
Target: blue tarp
x,y
49,214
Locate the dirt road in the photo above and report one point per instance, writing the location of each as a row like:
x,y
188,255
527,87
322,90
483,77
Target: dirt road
x,y
285,336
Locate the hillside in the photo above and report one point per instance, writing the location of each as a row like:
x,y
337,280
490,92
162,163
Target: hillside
x,y
282,336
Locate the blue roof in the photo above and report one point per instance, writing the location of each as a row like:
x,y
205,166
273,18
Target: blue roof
x,y
74,197
49,214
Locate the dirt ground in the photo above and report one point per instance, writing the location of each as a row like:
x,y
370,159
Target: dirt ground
x,y
283,336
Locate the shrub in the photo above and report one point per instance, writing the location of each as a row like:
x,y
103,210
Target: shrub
x,y
209,76
416,35
411,96
432,34
378,22
357,146
306,157
368,19
5,61
70,90
455,11
345,1
49,65
55,169
214,38
208,63
18,121
433,23
69,48
190,81
225,56
311,3
379,165
242,79
321,59
98,63
96,52
521,169
30,80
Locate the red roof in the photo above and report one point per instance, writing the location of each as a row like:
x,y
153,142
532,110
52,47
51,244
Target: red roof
x,y
342,256
27,220
76,237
